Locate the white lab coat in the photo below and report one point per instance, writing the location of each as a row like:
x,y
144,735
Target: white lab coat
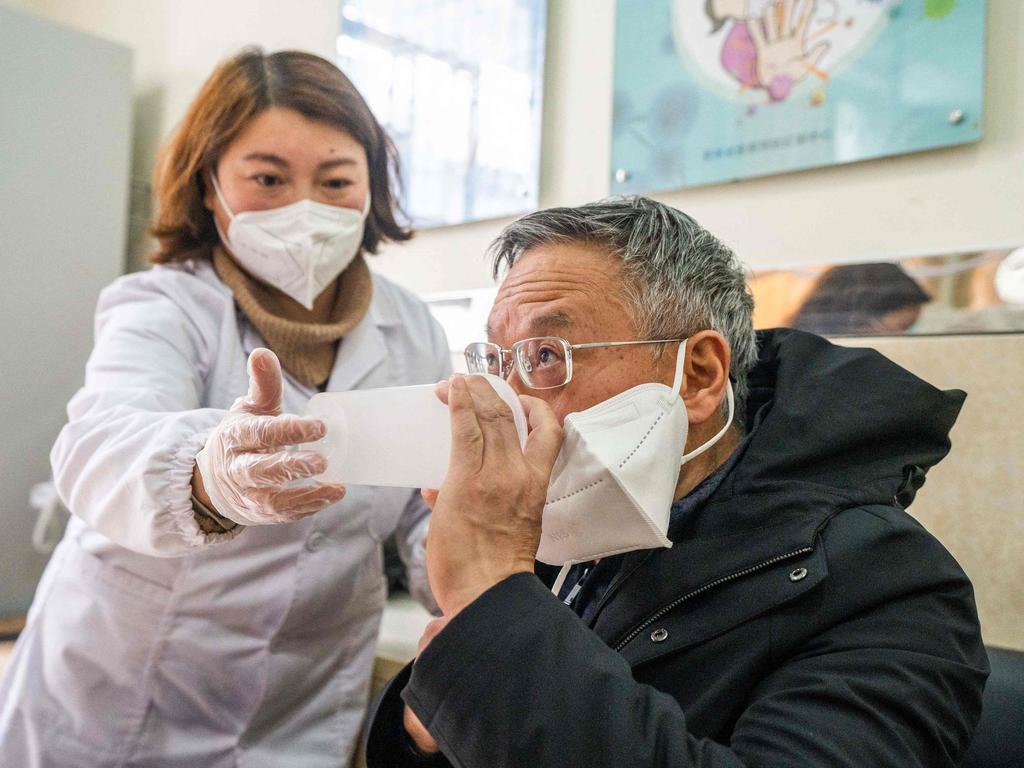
x,y
151,643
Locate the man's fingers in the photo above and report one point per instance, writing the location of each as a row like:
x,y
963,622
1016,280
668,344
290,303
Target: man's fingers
x,y
545,437
467,440
431,631
441,390
265,384
494,417
421,737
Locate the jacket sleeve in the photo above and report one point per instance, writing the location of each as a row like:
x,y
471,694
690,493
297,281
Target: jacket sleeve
x,y
123,462
386,743
890,677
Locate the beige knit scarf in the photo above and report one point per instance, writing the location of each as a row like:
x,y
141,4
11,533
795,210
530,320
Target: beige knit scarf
x,y
306,348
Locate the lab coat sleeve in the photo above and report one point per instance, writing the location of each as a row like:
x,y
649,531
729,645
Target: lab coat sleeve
x,y
123,463
411,533
411,537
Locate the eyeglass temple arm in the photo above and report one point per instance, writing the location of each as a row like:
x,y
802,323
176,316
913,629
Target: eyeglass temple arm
x,y
591,344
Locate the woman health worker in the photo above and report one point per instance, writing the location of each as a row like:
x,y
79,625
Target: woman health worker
x,y
202,609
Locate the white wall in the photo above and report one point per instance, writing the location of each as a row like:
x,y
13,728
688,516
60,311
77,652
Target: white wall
x,y
938,201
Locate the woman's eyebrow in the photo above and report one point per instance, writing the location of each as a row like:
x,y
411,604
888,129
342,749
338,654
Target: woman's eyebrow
x,y
335,162
267,157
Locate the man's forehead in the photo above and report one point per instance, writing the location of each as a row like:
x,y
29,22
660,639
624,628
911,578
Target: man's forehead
x,y
556,290
537,323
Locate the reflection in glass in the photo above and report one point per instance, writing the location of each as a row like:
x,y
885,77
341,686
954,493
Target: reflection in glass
x,y
978,292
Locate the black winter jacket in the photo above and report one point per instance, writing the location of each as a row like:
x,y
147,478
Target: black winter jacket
x,y
802,618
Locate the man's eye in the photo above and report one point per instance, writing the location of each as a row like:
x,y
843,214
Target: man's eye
x,y
548,356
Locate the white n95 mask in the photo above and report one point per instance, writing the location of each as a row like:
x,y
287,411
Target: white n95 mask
x,y
299,248
612,486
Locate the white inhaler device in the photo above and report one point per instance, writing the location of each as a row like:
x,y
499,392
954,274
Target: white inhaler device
x,y
397,436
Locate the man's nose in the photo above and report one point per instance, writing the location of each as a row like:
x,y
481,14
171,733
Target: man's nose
x,y
516,383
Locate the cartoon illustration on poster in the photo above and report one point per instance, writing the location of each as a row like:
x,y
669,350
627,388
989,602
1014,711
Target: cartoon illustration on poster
x,y
739,88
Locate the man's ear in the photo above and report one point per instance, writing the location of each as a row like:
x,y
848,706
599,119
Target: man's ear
x,y
706,375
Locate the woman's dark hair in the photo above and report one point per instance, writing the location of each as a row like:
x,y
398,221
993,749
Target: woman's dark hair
x,y
851,297
238,90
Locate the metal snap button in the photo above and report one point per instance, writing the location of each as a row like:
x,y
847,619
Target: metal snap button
x,y
797,574
315,541
659,635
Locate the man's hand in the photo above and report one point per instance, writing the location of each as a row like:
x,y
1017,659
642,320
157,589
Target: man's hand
x,y
486,516
421,737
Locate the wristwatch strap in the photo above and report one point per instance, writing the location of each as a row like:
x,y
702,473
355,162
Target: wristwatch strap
x,y
208,520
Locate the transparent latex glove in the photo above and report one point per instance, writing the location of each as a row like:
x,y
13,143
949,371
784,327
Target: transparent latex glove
x,y
246,465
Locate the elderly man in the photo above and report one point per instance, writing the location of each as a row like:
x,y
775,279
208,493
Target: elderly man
x,y
736,590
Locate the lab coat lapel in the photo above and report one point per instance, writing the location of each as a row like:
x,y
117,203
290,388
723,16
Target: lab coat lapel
x,y
361,353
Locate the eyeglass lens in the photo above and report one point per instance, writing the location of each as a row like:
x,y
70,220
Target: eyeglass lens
x,y
483,357
541,363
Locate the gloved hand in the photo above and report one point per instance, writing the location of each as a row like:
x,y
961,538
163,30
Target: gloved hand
x,y
244,466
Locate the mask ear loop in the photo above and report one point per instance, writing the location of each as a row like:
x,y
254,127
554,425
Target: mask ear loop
x,y
231,215
220,196
721,432
560,579
680,364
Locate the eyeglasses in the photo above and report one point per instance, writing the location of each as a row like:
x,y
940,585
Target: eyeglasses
x,y
543,362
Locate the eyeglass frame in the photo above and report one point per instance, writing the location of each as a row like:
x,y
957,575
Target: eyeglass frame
x,y
512,353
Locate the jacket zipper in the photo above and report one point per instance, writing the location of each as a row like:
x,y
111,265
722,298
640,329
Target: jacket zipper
x,y
710,585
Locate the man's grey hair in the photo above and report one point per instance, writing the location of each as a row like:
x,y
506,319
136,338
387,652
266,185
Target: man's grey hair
x,y
681,279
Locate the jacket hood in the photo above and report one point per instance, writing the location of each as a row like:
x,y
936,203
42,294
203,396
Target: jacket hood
x,y
839,422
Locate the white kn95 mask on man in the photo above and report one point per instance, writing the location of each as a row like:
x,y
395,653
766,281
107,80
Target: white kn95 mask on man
x,y
612,486
299,248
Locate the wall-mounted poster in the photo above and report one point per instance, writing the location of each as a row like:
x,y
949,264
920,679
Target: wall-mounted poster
x,y
458,85
716,90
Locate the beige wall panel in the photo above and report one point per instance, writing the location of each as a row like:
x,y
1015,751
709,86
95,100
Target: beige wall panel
x,y
974,500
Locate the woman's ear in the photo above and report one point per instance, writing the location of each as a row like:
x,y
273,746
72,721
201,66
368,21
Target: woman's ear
x,y
209,195
706,375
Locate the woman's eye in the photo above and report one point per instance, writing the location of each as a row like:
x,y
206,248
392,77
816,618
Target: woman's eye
x,y
337,183
267,179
